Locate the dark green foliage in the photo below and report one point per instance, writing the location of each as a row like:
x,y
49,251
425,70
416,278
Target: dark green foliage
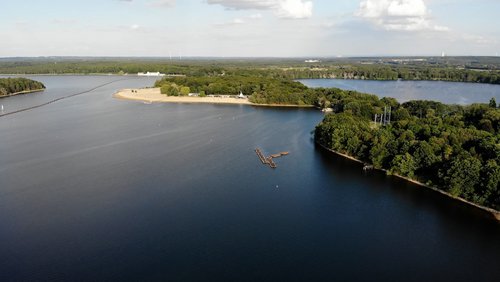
x,y
170,89
493,103
454,148
461,175
9,86
260,89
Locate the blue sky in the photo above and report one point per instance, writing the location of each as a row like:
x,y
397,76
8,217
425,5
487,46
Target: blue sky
x,y
245,28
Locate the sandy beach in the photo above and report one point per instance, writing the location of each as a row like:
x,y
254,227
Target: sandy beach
x,y
153,95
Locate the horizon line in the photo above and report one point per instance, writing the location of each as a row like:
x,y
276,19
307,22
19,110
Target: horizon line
x,y
251,57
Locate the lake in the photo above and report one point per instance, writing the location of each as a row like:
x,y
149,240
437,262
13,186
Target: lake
x,y
95,188
403,91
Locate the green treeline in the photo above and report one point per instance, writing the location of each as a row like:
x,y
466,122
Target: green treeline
x,y
279,69
10,86
107,67
377,72
454,148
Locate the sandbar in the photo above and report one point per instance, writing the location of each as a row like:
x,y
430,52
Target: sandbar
x,y
154,95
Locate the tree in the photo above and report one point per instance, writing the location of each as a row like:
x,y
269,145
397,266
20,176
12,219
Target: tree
x,y
323,103
490,181
184,91
164,89
493,103
462,175
424,155
170,89
404,165
173,90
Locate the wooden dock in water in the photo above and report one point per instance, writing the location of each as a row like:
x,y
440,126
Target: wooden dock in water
x,y
269,160
261,156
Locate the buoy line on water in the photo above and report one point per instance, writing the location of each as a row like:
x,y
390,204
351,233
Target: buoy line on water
x,y
62,98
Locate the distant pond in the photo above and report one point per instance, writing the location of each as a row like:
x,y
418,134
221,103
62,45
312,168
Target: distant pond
x,y
403,91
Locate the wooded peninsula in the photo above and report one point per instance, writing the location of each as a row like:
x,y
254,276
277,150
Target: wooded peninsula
x,y
14,86
453,148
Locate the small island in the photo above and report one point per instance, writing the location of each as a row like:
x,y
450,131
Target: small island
x,y
15,86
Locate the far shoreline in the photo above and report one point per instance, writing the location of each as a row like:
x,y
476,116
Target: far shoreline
x,y
296,79
153,95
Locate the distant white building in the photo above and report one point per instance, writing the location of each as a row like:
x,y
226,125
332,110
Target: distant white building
x,y
312,61
150,74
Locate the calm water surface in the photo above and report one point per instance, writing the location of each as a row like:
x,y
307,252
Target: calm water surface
x,y
94,188
403,91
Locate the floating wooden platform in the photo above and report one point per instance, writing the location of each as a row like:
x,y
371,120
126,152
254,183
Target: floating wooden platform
x,y
271,163
269,160
261,156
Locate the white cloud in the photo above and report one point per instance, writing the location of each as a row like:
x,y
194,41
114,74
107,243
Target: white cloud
x,y
156,3
64,21
255,16
244,4
163,3
399,15
238,21
295,9
290,9
233,22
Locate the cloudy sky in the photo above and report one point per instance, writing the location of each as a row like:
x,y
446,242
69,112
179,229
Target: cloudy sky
x,y
245,28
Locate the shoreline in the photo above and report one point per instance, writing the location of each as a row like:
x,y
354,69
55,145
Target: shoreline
x,y
489,212
295,79
23,92
153,95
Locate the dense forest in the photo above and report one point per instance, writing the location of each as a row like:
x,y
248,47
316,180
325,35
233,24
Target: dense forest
x,y
479,70
450,147
9,86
